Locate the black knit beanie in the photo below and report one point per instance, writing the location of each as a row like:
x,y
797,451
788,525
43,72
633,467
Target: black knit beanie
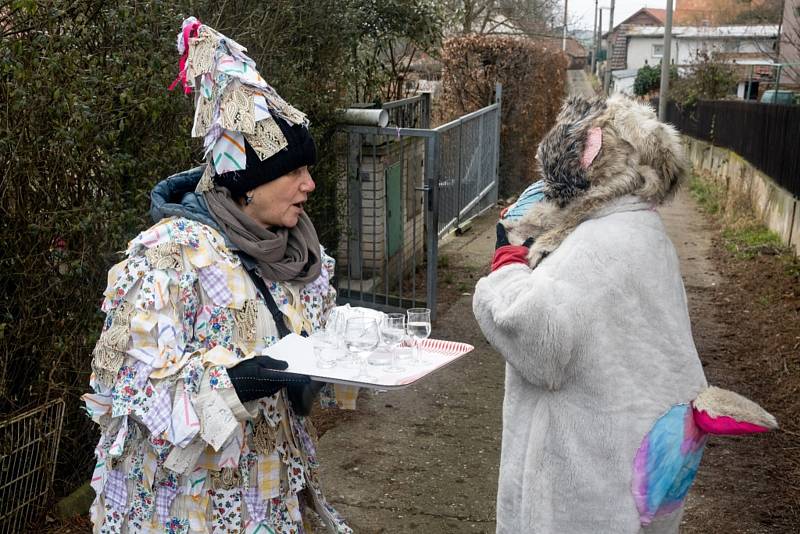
x,y
301,151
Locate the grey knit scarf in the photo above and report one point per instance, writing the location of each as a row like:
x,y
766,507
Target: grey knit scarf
x,y
282,254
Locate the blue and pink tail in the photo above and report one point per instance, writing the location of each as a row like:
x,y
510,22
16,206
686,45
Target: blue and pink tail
x,y
667,460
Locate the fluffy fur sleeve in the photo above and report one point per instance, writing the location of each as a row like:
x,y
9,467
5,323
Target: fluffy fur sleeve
x,y
531,320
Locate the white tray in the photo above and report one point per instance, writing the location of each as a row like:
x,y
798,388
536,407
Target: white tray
x,y
299,352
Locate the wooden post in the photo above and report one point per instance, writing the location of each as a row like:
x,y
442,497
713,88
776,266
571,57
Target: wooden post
x,y
607,77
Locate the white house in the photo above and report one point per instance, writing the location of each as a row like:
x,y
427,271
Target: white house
x,y
743,45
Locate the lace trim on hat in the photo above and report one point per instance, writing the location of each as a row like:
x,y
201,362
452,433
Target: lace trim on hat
x,y
202,52
267,139
237,109
203,117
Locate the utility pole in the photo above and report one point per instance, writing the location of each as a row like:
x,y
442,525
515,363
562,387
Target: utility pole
x,y
594,38
599,35
564,39
607,78
663,93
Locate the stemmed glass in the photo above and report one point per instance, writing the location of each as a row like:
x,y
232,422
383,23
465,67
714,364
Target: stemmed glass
x,y
361,336
324,349
419,328
335,326
393,330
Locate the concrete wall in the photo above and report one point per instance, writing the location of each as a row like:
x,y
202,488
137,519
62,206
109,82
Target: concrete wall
x,y
743,183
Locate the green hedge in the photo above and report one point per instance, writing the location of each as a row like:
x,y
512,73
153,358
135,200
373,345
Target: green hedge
x,y
87,126
533,75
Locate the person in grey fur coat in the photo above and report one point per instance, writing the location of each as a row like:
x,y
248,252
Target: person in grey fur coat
x,y
606,407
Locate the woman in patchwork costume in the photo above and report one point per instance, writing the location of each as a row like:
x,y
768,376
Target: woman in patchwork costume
x,y
606,408
198,433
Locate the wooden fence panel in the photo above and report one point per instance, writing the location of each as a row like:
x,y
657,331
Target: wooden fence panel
x,y
766,135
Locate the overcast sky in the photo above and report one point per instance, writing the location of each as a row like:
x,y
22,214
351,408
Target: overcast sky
x,y
582,11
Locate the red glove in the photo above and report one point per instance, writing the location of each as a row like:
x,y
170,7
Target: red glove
x,y
509,254
505,253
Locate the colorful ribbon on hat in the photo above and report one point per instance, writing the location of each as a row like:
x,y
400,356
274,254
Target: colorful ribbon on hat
x,y
189,31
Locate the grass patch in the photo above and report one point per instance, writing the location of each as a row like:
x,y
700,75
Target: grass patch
x,y
708,195
742,234
752,239
792,265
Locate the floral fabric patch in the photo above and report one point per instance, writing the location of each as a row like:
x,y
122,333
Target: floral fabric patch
x,y
218,377
226,510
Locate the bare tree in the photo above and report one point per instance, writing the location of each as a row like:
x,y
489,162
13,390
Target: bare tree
x,y
529,17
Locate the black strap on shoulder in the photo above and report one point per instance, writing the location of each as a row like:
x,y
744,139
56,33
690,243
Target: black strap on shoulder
x,y
277,316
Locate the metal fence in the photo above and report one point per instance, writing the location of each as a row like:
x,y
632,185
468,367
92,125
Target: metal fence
x,y
766,135
403,188
413,112
28,450
468,153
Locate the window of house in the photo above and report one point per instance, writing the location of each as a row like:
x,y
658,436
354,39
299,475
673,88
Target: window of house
x,y
730,46
658,50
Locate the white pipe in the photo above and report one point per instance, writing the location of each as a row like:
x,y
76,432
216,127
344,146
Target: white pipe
x,y
365,117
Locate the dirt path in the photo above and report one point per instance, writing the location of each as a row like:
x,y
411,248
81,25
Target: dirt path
x,y
426,459
745,325
578,83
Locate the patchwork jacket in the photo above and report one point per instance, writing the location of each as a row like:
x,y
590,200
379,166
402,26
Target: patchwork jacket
x,y
178,452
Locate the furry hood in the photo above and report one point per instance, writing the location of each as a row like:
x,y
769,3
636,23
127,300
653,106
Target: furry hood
x,y
599,151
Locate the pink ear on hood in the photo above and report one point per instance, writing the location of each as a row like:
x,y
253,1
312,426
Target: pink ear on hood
x,y
594,141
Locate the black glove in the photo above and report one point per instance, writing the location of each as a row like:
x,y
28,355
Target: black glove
x,y
257,377
302,396
502,238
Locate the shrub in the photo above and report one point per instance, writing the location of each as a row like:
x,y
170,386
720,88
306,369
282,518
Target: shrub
x,y
647,79
533,76
86,128
704,79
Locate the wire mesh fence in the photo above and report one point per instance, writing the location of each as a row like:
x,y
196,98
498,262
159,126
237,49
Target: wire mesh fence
x,y
403,188
468,155
381,252
413,112
28,450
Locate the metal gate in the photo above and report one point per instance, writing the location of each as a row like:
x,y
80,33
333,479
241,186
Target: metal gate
x,y
28,452
404,187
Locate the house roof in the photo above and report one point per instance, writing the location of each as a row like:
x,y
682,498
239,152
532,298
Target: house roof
x,y
574,48
646,16
659,14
